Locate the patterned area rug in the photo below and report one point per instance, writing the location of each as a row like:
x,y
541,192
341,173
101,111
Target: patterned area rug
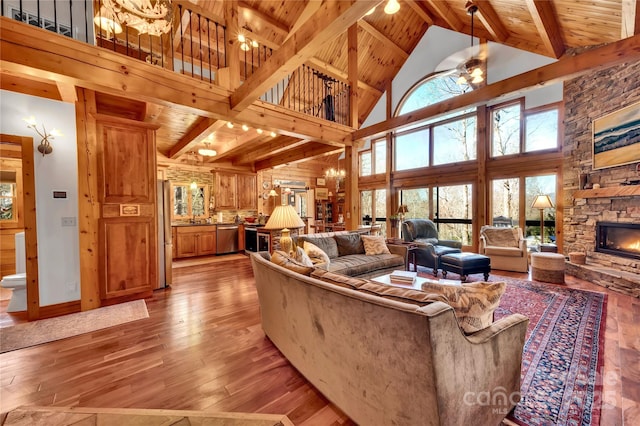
x,y
563,352
47,330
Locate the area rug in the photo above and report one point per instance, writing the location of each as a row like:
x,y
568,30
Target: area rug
x,y
563,352
47,330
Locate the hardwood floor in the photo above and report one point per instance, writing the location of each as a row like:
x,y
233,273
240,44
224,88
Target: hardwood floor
x,y
203,349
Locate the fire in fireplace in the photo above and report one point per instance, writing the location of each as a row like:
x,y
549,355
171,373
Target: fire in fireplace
x,y
618,239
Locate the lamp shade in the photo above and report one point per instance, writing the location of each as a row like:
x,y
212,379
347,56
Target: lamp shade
x,y
402,209
542,202
284,216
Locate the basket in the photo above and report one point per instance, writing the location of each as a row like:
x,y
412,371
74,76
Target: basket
x,y
578,255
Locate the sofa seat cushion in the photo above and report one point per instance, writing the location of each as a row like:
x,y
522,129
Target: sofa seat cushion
x,y
358,264
473,303
503,251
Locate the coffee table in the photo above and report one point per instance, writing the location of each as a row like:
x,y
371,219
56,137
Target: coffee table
x,y
417,284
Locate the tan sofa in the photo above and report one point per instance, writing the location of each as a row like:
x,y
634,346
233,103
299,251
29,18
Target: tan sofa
x,y
386,362
506,247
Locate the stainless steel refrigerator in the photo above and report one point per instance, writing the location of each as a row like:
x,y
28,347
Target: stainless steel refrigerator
x,y
165,243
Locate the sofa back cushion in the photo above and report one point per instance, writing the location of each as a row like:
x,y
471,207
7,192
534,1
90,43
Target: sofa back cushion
x,y
326,244
349,244
473,303
500,236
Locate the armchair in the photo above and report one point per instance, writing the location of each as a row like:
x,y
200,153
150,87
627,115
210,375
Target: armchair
x,y
506,247
424,233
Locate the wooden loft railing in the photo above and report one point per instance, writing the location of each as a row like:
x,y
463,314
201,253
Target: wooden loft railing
x,y
195,46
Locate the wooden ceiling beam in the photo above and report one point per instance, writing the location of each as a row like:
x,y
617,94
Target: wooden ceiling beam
x,y
491,21
280,27
34,87
152,112
612,54
310,8
278,145
446,13
306,152
332,18
382,38
237,147
546,21
420,10
196,134
67,92
630,18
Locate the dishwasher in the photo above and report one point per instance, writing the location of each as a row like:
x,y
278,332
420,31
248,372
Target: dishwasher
x,y
226,239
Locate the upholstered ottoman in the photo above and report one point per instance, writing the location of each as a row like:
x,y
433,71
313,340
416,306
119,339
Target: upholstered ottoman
x,y
547,267
465,264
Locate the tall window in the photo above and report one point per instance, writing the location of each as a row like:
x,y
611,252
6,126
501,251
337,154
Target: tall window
x,y
455,141
537,185
505,202
373,207
417,202
412,149
454,212
374,159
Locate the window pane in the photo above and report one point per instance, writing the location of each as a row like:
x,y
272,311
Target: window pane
x,y
433,90
505,202
381,209
380,148
197,203
365,163
540,185
454,203
542,131
412,150
454,141
505,135
180,201
365,207
7,191
417,202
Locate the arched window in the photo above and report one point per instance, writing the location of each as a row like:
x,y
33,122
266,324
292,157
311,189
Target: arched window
x,y
430,90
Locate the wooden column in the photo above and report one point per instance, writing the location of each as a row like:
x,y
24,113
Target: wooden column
x,y
392,196
88,205
352,50
233,45
352,193
481,198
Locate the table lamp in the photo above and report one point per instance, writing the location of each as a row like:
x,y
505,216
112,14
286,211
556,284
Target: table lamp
x,y
542,202
284,217
402,209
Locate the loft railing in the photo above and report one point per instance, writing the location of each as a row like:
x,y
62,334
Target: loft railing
x,y
195,46
314,93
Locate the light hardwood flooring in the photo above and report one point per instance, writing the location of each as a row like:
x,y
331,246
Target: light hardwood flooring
x,y
203,349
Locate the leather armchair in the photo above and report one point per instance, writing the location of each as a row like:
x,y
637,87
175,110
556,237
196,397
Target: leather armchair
x,y
506,247
424,233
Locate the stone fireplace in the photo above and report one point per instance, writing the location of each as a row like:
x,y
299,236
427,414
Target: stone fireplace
x,y
613,201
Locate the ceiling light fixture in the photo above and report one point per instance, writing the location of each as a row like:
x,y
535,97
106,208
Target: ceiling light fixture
x,y
245,127
272,134
373,9
229,125
105,20
472,69
206,151
151,17
392,7
259,131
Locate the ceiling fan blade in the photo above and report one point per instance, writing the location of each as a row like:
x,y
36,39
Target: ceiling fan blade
x,y
457,59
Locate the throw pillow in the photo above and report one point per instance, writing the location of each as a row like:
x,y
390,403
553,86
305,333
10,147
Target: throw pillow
x,y
349,244
301,256
282,259
374,244
327,244
317,255
473,302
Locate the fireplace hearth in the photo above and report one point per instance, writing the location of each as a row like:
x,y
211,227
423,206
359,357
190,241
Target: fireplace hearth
x,y
618,239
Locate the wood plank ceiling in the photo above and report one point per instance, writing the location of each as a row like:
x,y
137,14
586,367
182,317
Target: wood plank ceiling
x,y
545,27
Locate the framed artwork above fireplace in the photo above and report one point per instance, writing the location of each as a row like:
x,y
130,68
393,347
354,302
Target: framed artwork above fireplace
x,y
616,138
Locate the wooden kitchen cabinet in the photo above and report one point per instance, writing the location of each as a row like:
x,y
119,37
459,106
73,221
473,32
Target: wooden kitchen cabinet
x,y
195,240
236,191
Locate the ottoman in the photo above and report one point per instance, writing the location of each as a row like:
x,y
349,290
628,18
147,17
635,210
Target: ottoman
x,y
465,264
547,267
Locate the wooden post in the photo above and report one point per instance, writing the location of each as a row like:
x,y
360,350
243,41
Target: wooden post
x,y
233,46
352,50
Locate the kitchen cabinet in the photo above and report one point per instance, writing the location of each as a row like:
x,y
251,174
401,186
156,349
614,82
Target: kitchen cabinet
x,y
236,191
197,240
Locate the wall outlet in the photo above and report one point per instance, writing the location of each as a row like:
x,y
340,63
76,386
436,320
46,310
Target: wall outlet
x,y
68,221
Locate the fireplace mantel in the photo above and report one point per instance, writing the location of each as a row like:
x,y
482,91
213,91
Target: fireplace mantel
x,y
614,191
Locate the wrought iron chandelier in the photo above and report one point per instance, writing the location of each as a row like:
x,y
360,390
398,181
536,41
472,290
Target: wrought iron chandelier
x,y
151,17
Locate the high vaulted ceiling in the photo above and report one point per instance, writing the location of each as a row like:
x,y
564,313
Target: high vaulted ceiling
x,y
384,42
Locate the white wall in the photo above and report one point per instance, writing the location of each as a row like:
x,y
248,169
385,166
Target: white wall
x,y
58,247
438,43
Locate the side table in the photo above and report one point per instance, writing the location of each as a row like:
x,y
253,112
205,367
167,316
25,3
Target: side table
x,y
411,252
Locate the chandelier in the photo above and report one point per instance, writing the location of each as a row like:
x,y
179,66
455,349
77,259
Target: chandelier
x,y
145,16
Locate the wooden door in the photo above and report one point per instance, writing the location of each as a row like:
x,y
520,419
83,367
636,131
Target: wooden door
x,y
247,192
128,237
207,242
226,184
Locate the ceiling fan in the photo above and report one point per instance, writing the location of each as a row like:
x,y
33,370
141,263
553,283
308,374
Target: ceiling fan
x,y
467,63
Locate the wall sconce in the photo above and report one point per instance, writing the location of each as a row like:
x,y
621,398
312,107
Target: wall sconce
x,y
45,145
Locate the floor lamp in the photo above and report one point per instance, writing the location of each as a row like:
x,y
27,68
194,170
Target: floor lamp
x,y
542,202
